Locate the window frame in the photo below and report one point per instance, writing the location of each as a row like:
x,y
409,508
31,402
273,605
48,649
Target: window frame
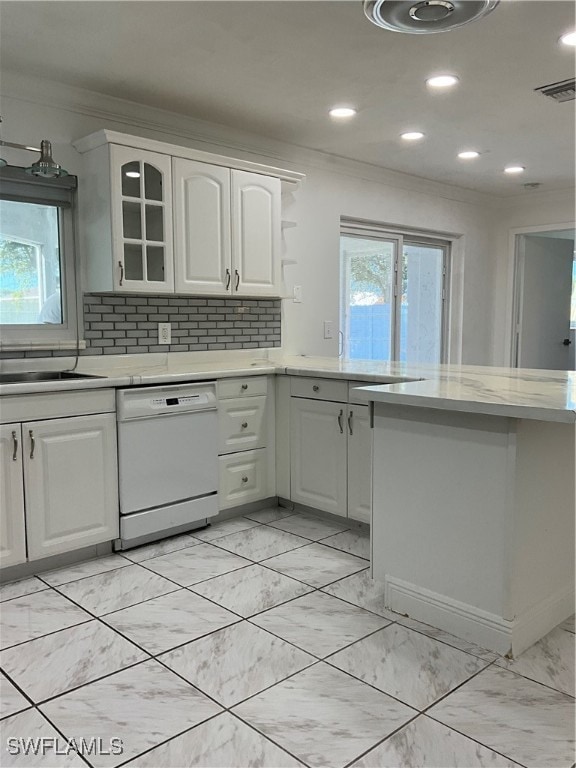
x,y
18,186
400,236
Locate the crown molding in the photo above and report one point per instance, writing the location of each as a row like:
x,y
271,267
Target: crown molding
x,y
194,133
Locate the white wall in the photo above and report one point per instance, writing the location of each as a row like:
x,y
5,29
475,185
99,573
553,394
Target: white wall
x,y
531,211
35,109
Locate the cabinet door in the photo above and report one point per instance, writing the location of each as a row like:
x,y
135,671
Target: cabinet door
x,y
201,227
359,463
12,528
70,476
141,220
255,234
318,454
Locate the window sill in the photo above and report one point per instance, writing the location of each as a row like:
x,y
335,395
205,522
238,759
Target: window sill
x,y
7,346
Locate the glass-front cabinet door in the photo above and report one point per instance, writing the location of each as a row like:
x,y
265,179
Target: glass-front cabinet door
x,y
142,220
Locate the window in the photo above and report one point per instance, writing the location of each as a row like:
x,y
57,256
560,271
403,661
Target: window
x,y
393,295
37,276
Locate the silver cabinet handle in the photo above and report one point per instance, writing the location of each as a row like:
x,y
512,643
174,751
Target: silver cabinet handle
x,y
228,278
340,422
244,479
350,415
237,279
244,386
15,443
121,272
315,388
32,443
244,424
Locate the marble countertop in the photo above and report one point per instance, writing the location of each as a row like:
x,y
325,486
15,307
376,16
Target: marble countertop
x,y
517,393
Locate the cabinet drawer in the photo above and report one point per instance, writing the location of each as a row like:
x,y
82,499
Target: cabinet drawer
x,y
319,389
242,424
243,478
243,387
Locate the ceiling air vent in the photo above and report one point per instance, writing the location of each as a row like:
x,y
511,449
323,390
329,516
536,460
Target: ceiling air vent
x,y
565,90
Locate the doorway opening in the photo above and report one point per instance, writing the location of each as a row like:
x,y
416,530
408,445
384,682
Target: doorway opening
x,y
545,300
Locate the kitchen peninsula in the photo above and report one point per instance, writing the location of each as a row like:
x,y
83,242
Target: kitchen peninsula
x,y
474,501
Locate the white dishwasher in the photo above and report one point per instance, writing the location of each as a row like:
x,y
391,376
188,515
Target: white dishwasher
x,y
167,460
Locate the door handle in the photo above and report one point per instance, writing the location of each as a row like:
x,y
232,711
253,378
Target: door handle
x,y
228,278
340,422
567,342
350,415
237,279
121,272
15,443
32,443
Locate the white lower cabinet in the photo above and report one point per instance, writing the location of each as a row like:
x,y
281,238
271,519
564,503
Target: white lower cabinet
x,y
246,475
318,454
331,457
243,478
12,526
59,486
359,463
70,483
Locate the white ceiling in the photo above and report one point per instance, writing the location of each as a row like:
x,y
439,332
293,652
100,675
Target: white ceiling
x,y
275,68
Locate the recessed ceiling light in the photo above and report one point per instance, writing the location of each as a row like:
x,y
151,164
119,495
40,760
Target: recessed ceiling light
x,y
569,38
442,81
468,154
412,136
342,112
514,169
133,174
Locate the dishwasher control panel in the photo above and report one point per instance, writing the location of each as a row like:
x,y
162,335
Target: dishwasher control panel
x,y
155,401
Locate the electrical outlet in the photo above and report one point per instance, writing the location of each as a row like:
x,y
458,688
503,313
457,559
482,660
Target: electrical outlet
x,y
164,333
297,294
328,331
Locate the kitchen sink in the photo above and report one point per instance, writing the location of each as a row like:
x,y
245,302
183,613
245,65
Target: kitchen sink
x,y
24,377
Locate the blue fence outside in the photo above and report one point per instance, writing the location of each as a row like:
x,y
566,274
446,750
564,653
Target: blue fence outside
x,y
369,332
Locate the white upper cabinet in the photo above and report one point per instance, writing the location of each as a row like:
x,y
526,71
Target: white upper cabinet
x,y
158,218
227,230
256,231
141,220
202,234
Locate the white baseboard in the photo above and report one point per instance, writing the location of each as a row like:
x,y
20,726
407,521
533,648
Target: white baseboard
x,y
541,618
485,629
471,623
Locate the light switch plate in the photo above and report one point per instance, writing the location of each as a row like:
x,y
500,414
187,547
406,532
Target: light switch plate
x,y
297,294
328,330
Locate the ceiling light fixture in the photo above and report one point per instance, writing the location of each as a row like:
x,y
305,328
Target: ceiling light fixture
x,y
45,166
442,81
340,112
514,169
412,136
424,17
568,38
468,154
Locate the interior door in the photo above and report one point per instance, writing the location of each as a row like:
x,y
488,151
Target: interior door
x,y
545,289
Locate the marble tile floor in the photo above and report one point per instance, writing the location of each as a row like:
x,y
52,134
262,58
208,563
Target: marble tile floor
x,y
261,641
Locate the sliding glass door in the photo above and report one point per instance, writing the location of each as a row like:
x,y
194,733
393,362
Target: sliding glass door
x,y
393,297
